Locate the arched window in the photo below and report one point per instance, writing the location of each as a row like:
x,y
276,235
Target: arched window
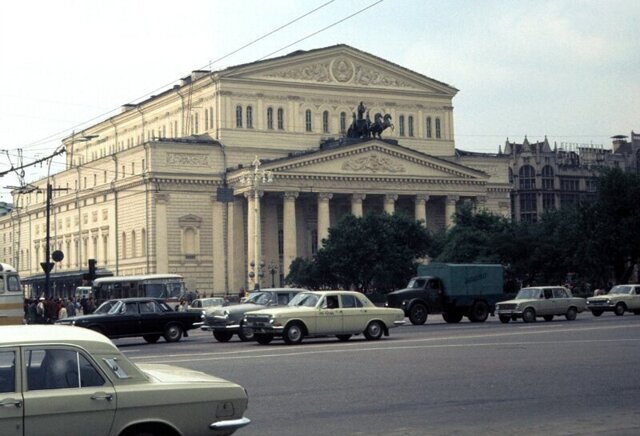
x,y
401,125
206,119
143,242
239,116
547,177
210,117
270,118
438,132
343,122
133,244
510,176
249,117
124,245
527,177
280,119
429,133
410,125
325,121
307,121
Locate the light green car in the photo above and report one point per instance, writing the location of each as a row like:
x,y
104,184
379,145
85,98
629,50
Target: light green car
x,y
540,301
620,299
61,380
323,313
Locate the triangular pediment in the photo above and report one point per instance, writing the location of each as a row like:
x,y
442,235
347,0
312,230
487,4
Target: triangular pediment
x,y
373,159
339,65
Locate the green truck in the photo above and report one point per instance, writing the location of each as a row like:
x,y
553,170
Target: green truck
x,y
453,290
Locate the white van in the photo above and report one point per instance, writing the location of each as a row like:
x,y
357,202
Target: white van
x,y
83,291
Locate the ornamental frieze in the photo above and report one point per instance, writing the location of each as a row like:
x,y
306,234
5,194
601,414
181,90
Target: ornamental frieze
x,y
367,77
314,73
373,163
187,159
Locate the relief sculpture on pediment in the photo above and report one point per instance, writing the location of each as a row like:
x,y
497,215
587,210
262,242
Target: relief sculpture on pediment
x,y
373,163
367,77
318,72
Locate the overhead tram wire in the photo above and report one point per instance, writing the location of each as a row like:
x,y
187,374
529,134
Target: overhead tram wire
x,y
63,133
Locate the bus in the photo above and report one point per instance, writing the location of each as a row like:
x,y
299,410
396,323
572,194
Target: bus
x,y
11,296
169,287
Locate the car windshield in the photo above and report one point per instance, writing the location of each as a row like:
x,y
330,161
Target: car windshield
x,y
306,299
620,290
105,307
416,283
262,298
527,293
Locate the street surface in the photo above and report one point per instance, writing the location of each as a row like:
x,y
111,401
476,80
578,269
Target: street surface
x,y
559,377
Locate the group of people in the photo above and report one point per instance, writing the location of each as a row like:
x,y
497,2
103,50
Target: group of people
x,y
48,310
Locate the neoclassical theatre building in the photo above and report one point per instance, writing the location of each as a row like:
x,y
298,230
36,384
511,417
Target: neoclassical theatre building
x,y
249,166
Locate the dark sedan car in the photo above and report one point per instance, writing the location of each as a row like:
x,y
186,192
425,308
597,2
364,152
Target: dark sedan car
x,y
146,317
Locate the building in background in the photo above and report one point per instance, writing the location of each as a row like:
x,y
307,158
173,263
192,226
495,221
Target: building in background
x,y
230,175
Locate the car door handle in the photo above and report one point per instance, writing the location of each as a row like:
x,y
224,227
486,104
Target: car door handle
x,y
102,396
11,402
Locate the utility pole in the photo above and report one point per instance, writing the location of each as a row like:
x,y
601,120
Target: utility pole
x,y
47,265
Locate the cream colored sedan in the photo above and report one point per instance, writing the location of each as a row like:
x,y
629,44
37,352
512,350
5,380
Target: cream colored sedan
x,y
64,381
323,313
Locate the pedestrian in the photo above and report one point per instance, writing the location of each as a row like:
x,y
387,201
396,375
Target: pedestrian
x,y
71,307
40,311
62,313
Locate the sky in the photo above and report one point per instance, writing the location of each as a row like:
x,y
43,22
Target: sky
x,y
567,69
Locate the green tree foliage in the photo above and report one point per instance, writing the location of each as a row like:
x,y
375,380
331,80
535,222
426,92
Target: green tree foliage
x,y
374,252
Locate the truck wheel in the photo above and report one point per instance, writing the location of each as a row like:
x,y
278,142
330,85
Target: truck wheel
x,y
418,314
571,314
374,331
619,309
479,312
529,315
596,312
222,336
452,316
504,319
293,333
173,333
263,339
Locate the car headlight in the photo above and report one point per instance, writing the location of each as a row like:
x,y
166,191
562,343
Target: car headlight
x,y
608,301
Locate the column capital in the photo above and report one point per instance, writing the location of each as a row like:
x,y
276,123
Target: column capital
x,y
452,199
390,197
358,197
162,198
290,195
422,198
325,196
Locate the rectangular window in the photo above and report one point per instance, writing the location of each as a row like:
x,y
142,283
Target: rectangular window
x,y
280,119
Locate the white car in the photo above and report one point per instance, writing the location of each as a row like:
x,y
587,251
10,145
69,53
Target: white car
x,y
62,380
620,299
540,301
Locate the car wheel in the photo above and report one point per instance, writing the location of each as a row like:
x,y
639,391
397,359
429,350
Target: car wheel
x,y
571,314
293,333
452,316
263,339
548,317
418,314
596,312
343,338
619,309
374,331
529,315
173,333
479,312
245,334
151,339
222,336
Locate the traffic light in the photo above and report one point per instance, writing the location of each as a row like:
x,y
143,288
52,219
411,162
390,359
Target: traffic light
x,y
91,275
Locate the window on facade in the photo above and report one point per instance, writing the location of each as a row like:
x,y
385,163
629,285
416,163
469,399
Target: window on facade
x,y
325,121
438,130
314,241
196,119
133,167
307,121
528,212
410,125
280,119
280,243
143,242
206,119
133,244
238,116
210,117
343,122
547,178
124,245
569,184
548,201
189,241
270,118
249,117
401,125
592,185
527,177
175,127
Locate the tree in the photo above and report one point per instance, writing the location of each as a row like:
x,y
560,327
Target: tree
x,y
374,252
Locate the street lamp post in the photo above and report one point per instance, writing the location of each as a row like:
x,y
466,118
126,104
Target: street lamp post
x,y
255,179
273,269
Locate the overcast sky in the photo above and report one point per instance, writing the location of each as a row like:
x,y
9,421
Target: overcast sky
x,y
569,70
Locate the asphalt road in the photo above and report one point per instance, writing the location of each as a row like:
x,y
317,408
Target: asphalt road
x,y
559,377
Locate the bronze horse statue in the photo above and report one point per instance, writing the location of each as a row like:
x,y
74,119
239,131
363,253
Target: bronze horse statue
x,y
364,128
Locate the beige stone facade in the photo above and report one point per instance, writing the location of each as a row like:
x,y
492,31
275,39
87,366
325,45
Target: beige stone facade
x,y
142,188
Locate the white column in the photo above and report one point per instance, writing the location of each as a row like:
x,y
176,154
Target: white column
x,y
421,208
235,245
450,209
218,260
161,246
356,204
251,235
481,203
324,221
290,230
390,203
